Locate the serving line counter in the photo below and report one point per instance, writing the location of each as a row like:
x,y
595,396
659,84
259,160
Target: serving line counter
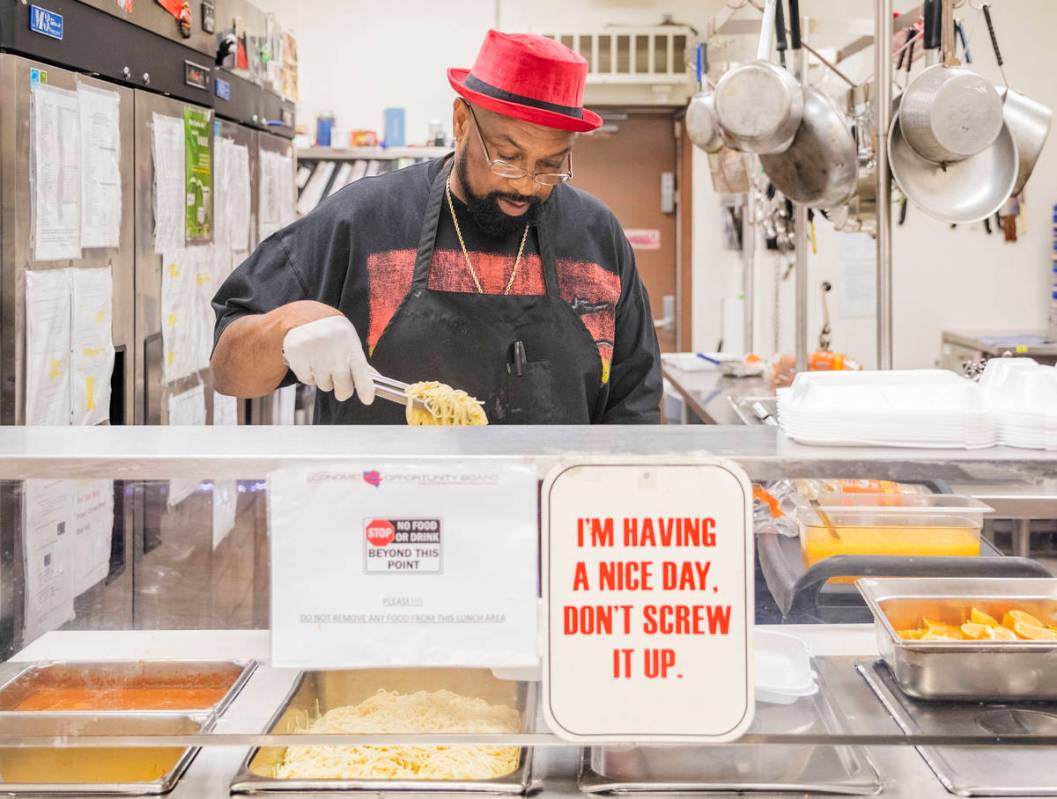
x,y
853,732
556,765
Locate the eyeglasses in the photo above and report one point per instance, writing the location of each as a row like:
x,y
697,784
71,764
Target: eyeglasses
x,y
513,172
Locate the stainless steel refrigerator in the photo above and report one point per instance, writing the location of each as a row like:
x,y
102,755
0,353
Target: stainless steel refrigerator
x,y
165,569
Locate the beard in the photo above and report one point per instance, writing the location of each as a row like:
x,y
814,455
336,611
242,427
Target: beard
x,y
485,212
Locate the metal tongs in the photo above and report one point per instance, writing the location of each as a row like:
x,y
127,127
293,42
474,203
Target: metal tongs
x,y
393,390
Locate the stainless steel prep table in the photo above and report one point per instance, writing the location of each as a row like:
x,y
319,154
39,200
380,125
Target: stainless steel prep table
x,y
960,346
709,396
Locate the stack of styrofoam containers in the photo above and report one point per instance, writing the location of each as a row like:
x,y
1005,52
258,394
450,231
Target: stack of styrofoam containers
x,y
1022,395
911,408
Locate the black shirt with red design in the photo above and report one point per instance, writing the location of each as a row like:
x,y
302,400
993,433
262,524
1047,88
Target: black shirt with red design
x,y
357,250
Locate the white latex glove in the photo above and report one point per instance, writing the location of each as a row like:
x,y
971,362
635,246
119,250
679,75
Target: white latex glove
x,y
327,354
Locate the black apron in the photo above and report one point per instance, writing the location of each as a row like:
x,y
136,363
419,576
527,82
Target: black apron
x,y
529,358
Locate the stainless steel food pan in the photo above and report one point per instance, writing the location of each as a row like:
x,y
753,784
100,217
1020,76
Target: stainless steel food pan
x,y
134,771
985,770
224,678
973,671
736,768
322,691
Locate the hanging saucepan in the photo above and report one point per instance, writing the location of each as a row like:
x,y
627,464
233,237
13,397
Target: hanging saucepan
x,y
820,168
701,124
1028,121
949,113
960,192
759,105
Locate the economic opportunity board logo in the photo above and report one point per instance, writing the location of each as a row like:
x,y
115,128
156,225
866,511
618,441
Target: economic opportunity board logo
x,y
372,477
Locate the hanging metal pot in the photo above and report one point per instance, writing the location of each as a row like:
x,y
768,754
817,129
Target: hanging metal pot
x,y
759,105
949,113
1028,121
701,124
820,168
961,192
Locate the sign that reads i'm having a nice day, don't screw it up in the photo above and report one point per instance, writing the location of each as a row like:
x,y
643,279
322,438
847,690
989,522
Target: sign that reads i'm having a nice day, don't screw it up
x,y
648,589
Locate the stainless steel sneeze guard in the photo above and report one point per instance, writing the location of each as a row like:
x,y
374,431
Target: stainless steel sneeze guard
x,y
239,452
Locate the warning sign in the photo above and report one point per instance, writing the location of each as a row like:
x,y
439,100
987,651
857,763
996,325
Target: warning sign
x,y
402,546
648,585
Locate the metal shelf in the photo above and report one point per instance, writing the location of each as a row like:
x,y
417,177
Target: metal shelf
x,y
369,153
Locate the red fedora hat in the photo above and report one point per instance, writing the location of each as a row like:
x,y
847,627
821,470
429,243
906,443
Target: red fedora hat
x,y
528,77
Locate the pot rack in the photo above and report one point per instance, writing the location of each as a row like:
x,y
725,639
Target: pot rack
x,y
882,28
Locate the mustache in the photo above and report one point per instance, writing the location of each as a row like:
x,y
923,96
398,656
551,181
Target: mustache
x,y
514,198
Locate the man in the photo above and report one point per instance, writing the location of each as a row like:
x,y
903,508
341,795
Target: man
x,y
485,271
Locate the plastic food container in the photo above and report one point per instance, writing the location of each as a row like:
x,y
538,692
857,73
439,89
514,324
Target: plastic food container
x,y
912,525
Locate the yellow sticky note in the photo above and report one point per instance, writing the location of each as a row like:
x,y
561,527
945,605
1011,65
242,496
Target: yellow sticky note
x,y
92,352
1022,348
202,279
100,315
174,271
172,319
54,368
89,392
170,357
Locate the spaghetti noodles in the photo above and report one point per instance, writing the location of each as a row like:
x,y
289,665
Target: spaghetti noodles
x,y
420,712
444,405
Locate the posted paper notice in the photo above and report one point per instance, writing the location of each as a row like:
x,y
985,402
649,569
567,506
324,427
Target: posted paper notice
x,y
48,301
170,199
91,345
56,159
100,167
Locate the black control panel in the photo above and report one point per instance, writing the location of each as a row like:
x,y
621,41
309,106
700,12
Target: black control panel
x,y
76,36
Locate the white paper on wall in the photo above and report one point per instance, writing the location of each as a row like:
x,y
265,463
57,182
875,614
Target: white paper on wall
x,y
100,167
49,552
188,408
225,505
179,313
167,146
93,529
91,345
858,276
56,160
242,238
225,410
276,206
48,301
203,261
284,405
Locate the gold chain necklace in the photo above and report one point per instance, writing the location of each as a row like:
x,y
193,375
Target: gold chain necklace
x,y
466,254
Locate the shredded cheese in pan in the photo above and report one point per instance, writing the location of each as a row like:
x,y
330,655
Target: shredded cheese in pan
x,y
420,712
444,406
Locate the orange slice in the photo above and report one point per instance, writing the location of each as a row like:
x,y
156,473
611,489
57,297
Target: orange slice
x,y
979,617
1000,633
910,635
935,635
1015,617
933,624
1033,632
975,632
